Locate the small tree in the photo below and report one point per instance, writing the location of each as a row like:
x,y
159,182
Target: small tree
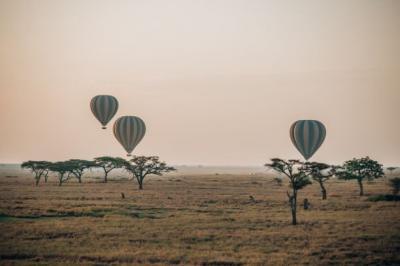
x,y
298,179
320,172
360,169
141,166
395,184
391,169
78,167
63,169
38,168
108,164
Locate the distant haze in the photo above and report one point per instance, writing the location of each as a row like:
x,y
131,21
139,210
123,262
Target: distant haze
x,y
217,82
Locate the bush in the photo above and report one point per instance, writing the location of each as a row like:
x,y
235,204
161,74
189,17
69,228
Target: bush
x,y
384,197
395,184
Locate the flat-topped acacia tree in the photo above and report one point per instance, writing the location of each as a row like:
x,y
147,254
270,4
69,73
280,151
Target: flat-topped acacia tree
x,y
298,179
141,166
78,167
108,164
320,172
360,169
38,168
63,169
391,169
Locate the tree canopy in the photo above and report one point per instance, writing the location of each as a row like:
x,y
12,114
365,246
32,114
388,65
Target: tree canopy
x,y
78,167
38,168
108,164
293,169
360,169
62,169
141,166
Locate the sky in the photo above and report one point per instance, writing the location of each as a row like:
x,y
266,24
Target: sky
x,y
217,82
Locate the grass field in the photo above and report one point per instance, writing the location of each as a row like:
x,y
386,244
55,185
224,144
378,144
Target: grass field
x,y
193,219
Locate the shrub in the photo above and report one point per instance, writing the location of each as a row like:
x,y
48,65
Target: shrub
x,y
384,197
395,184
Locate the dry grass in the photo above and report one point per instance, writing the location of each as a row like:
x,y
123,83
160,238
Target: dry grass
x,y
200,220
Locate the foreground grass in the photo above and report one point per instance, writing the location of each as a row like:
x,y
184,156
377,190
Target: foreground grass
x,y
199,220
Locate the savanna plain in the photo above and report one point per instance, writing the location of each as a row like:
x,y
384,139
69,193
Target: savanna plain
x,y
193,219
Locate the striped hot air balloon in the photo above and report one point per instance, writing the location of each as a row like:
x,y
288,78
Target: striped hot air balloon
x,y
129,131
104,107
307,136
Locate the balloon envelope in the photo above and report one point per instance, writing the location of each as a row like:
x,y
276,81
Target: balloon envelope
x,y
104,107
129,131
307,136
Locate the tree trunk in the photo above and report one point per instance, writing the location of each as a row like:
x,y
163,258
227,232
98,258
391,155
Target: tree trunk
x,y
105,176
294,218
60,181
79,179
361,187
323,190
45,177
293,206
37,181
140,181
294,209
324,194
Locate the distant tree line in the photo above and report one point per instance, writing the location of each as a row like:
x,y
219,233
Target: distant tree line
x,y
138,166
300,174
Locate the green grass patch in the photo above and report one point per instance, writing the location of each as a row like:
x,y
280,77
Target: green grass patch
x,y
66,214
131,211
10,218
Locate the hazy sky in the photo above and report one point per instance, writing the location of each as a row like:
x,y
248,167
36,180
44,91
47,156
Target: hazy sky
x,y
216,81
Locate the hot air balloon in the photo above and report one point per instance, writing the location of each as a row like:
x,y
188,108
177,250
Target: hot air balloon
x,y
129,131
307,136
104,107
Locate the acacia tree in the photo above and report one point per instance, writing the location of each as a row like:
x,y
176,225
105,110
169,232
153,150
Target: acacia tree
x,y
108,164
320,172
78,167
141,166
360,169
391,169
38,168
298,179
63,169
